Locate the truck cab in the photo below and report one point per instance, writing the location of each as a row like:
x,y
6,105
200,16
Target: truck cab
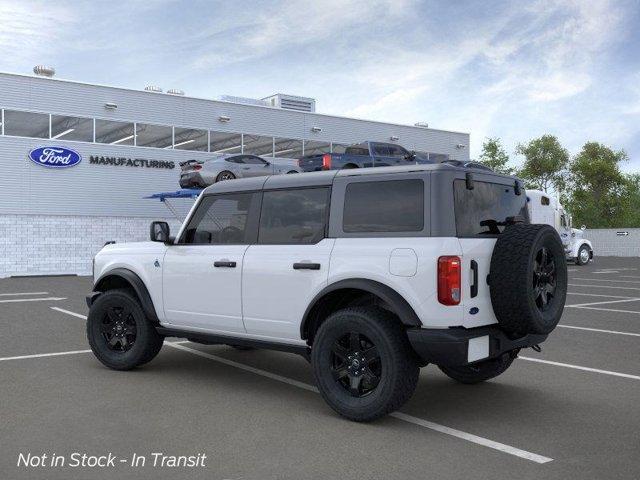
x,y
546,209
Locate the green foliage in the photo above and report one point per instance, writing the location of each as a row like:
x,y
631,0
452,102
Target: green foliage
x,y
495,156
545,163
600,193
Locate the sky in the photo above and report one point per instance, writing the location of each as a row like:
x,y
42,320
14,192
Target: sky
x,y
513,70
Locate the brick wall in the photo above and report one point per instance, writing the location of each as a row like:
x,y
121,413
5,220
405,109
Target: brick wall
x,y
607,243
51,245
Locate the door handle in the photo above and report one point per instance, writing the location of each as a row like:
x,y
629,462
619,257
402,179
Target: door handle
x,y
474,287
225,263
306,266
246,168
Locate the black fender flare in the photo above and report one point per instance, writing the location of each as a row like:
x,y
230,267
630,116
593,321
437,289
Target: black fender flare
x,y
135,282
400,306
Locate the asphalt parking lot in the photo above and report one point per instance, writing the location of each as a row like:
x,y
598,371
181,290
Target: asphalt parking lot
x,y
571,411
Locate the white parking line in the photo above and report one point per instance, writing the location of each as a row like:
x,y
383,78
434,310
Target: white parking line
x,y
600,330
46,299
604,286
629,276
610,310
596,295
41,355
23,293
73,314
598,303
578,367
401,416
606,280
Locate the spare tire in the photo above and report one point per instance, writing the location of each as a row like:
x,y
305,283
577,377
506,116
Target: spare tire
x,y
528,279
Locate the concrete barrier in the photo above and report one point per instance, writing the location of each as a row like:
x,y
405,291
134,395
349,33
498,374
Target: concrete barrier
x,y
614,242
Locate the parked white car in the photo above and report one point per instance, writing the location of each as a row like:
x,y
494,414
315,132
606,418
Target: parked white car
x,y
368,273
543,208
202,173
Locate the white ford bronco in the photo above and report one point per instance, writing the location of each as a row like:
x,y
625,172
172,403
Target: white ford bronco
x,y
368,273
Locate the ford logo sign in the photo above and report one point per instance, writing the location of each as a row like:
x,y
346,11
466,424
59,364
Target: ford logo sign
x,y
55,157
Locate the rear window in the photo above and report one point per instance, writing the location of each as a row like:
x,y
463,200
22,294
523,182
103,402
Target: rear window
x,y
484,210
391,206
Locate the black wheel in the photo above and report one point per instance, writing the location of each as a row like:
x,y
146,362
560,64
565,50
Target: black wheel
x,y
363,364
119,333
528,279
481,371
584,255
225,175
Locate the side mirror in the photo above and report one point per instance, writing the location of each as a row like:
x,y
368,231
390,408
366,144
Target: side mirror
x,y
159,232
267,164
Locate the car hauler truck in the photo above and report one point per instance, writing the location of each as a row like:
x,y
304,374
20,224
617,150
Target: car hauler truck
x,y
543,208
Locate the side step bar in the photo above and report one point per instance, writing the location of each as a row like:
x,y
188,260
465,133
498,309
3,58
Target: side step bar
x,y
215,339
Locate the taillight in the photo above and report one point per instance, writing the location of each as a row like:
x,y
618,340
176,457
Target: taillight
x,y
197,167
449,280
326,161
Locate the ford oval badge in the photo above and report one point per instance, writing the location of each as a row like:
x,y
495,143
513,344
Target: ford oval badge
x,y
55,157
474,310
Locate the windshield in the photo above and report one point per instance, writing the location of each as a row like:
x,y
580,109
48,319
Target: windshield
x,y
484,210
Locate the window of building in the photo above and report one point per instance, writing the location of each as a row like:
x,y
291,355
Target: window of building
x,y
294,216
72,128
224,142
220,219
258,145
114,133
26,124
312,147
191,139
287,148
399,206
158,136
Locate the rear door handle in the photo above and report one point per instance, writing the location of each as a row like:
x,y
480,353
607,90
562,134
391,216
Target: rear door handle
x,y
474,287
306,266
225,263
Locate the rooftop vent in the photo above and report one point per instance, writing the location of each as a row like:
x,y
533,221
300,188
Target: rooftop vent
x,y
422,124
292,102
44,71
175,91
153,88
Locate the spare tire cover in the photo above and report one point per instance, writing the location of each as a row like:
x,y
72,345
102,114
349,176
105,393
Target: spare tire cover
x,y
528,279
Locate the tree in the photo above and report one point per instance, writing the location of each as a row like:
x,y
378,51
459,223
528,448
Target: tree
x,y
494,156
600,194
632,214
545,163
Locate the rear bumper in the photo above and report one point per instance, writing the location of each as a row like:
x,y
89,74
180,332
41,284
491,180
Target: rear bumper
x,y
192,179
460,346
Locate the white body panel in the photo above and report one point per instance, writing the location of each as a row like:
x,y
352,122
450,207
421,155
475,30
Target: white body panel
x,y
198,294
480,250
275,296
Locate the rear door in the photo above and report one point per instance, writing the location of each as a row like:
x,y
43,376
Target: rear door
x,y
480,215
289,263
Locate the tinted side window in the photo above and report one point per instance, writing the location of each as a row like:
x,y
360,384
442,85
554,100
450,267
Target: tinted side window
x,y
254,160
397,151
221,219
391,206
356,151
381,150
485,209
235,159
294,216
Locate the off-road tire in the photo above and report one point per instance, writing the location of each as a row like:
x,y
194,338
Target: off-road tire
x,y
479,372
511,281
147,342
579,257
397,362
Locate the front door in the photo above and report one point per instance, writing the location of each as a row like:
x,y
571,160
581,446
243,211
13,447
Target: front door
x,y
289,264
253,166
202,273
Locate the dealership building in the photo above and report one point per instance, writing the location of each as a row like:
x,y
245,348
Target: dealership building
x,y
127,145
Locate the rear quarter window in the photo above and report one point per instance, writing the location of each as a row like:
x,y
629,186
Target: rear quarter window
x,y
484,210
384,206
